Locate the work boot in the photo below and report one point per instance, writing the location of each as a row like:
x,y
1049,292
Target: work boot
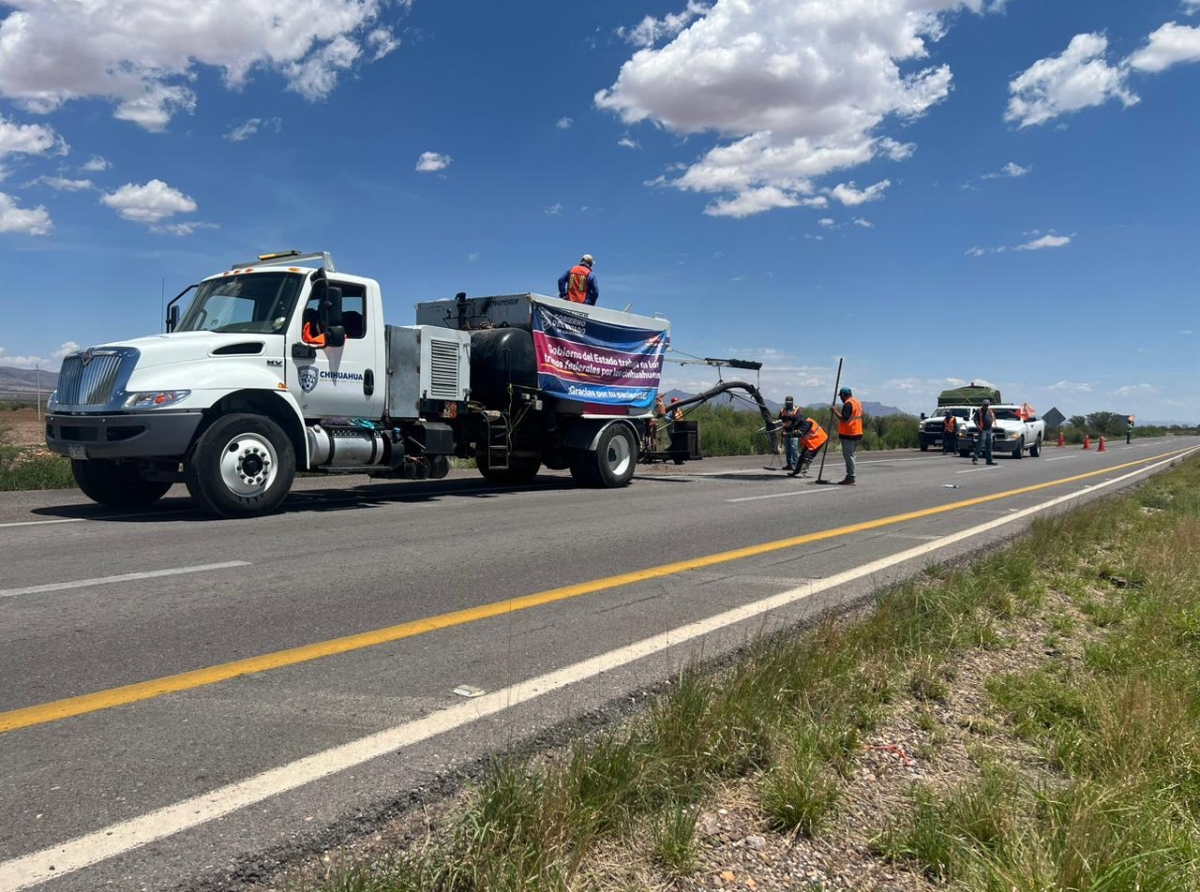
x,y
849,481
788,468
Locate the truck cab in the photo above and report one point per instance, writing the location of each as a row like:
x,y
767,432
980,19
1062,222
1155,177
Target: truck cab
x,y
933,426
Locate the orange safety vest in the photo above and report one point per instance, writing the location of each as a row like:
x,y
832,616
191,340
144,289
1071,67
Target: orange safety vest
x,y
815,438
577,284
853,427
310,335
787,417
951,424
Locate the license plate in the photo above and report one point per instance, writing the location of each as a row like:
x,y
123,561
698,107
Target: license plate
x,y
78,452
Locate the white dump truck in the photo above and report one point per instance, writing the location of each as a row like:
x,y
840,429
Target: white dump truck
x,y
285,364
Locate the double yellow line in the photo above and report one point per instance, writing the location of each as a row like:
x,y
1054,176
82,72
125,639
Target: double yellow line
x,y
73,706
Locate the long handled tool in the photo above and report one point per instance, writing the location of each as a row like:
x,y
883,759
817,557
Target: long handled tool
x,y
825,448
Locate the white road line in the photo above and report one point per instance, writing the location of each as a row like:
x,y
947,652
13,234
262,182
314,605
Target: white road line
x,y
116,839
777,495
1062,457
38,523
34,523
124,577
975,470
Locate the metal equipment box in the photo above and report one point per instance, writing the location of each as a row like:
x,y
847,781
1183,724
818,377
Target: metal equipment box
x,y
426,362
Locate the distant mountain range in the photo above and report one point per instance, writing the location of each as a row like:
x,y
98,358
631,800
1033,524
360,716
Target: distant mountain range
x,y
17,381
876,409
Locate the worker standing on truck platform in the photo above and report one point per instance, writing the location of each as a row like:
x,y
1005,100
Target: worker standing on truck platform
x,y
812,438
578,284
850,431
949,434
658,415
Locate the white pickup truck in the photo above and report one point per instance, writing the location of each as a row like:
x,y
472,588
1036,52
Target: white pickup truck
x,y
1016,430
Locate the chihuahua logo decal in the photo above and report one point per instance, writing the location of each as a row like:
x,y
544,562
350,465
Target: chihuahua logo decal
x,y
308,377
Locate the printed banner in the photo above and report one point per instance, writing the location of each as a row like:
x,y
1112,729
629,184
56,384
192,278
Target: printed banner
x,y
584,359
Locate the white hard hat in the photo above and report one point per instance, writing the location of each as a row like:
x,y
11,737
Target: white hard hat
x,y
588,259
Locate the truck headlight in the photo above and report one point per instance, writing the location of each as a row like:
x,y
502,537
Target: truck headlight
x,y
155,399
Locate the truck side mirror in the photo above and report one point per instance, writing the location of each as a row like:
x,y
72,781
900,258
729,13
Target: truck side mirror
x,y
335,336
172,317
922,416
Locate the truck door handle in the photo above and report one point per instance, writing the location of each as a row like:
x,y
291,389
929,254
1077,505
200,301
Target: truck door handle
x,y
368,382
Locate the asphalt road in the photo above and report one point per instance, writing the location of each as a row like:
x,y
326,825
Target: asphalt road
x,y
185,701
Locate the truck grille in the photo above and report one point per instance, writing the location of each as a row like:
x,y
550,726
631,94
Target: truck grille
x,y
443,370
91,384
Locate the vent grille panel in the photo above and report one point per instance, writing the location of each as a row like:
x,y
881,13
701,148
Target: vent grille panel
x,y
444,370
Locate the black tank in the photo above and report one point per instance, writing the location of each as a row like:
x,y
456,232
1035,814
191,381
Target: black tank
x,y
500,356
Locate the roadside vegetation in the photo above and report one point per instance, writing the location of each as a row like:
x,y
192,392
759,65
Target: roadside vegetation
x,y
1047,697
734,430
30,467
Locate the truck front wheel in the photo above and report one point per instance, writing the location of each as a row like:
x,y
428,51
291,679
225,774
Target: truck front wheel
x,y
242,466
1019,452
613,462
116,484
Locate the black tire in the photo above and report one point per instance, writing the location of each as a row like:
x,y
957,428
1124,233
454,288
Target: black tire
x,y
924,447
613,462
242,466
964,453
678,461
116,484
519,470
1036,449
1019,452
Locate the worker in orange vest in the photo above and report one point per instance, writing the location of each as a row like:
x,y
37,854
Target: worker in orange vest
x,y
790,419
578,284
850,431
812,438
949,434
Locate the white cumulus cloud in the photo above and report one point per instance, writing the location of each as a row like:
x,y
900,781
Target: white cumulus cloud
x,y
150,203
144,57
95,164
564,123
1169,45
1079,78
31,221
28,139
1046,241
50,362
1011,169
63,184
430,162
794,89
252,126
848,195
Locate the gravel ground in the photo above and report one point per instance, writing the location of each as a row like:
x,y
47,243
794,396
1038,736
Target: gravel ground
x,y
938,744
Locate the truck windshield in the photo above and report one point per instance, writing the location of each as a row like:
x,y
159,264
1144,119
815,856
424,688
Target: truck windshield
x,y
257,303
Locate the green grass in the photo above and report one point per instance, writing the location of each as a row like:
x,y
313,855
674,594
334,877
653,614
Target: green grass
x,y
1114,807
21,468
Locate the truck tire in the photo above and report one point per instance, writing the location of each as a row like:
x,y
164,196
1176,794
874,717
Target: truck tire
x,y
242,466
116,484
612,463
924,446
519,470
1036,449
964,453
1019,452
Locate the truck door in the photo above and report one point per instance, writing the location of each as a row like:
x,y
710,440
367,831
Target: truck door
x,y
346,381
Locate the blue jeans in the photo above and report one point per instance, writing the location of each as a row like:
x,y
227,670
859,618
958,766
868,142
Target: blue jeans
x,y
791,448
983,441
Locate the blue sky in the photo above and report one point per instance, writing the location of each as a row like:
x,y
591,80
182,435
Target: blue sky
x,y
938,190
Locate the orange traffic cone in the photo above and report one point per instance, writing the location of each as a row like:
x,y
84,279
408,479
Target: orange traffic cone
x,y
1062,441
1101,448
1087,442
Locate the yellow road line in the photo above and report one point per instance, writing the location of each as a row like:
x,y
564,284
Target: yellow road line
x,y
145,690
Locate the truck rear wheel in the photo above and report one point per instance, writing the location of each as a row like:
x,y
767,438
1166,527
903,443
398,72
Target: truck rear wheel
x,y
519,470
116,484
1036,449
613,462
242,466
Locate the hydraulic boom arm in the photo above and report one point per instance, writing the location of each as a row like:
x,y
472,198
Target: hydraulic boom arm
x,y
772,426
